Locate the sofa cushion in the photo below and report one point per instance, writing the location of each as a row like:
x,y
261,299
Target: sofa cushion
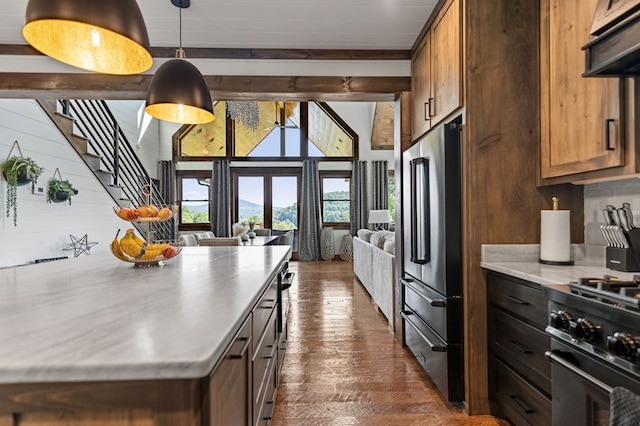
x,y
379,237
390,245
365,234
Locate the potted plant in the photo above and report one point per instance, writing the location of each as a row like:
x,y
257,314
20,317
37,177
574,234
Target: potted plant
x,y
59,190
17,171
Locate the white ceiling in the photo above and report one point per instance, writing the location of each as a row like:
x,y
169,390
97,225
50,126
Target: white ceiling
x,y
283,24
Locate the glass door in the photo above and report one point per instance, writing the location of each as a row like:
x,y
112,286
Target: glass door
x,y
269,198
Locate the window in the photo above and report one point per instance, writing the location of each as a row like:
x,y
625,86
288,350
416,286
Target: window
x,y
336,198
268,130
194,201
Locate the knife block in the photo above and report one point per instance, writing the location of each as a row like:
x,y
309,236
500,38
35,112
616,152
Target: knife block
x,y
625,259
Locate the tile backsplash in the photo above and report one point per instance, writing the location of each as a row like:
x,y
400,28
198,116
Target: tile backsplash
x,y
596,198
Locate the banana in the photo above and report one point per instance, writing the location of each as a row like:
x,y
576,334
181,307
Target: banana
x,y
154,250
115,248
132,245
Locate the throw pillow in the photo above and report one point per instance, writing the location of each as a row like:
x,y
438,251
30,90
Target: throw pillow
x,y
378,238
390,245
365,234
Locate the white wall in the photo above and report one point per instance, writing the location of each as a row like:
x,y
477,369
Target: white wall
x,y
142,131
43,229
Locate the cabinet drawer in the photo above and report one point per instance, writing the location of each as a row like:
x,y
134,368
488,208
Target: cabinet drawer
x,y
267,404
262,312
519,401
435,309
522,346
263,360
526,301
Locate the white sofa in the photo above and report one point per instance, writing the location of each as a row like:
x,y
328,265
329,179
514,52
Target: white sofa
x,y
374,265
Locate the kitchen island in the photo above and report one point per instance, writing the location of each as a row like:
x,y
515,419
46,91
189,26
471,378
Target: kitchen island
x,y
93,340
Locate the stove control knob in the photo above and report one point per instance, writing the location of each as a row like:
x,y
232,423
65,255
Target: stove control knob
x,y
622,344
560,319
583,329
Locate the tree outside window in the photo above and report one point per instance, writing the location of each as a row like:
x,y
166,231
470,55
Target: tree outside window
x,y
194,203
336,200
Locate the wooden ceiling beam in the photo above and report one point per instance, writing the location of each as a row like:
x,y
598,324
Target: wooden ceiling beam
x,y
301,88
226,53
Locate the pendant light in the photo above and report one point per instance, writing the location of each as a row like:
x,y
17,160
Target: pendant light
x,y
95,35
178,92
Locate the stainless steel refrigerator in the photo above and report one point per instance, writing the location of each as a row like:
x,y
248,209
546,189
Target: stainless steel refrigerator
x,y
432,257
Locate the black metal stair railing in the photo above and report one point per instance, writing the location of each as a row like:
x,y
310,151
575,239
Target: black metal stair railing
x,y
127,181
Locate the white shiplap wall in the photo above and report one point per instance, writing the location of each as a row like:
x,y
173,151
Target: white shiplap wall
x,y
43,229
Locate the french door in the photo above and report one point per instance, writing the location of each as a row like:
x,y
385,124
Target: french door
x,y
268,197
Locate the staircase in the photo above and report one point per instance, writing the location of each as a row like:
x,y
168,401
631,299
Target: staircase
x,y
95,135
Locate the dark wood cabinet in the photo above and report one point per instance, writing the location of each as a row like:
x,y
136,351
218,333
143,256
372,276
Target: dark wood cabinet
x,y
436,71
228,393
519,373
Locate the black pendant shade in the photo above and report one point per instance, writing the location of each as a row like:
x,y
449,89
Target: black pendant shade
x,y
179,93
107,36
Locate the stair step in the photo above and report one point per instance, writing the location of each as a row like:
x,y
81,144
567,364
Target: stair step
x,y
105,177
80,143
93,161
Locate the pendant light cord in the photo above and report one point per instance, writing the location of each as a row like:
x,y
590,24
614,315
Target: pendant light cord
x,y
180,27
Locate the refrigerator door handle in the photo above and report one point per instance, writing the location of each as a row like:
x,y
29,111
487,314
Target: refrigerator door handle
x,y
436,303
434,347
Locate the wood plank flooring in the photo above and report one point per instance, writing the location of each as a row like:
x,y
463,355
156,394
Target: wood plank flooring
x,y
343,365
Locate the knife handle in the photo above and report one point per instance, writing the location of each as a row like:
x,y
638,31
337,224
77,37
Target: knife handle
x,y
622,220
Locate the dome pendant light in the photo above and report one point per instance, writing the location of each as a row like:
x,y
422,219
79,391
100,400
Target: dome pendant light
x,y
96,35
178,92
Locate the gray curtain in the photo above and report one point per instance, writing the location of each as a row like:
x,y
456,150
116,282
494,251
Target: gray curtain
x,y
358,189
167,181
167,190
310,222
381,186
220,198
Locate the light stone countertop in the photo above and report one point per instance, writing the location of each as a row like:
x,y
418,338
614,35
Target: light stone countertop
x,y
96,318
521,261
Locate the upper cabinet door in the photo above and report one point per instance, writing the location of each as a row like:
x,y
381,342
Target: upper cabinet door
x,y
581,118
436,72
420,89
446,64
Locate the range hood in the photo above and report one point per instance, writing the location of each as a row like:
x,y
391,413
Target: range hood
x,y
614,49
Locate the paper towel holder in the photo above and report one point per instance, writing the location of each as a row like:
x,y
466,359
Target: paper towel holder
x,y
554,200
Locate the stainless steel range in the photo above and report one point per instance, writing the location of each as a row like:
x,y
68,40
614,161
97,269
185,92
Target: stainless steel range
x,y
595,347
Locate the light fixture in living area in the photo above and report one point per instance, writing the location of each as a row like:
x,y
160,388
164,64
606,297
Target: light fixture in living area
x,y
96,35
178,92
378,218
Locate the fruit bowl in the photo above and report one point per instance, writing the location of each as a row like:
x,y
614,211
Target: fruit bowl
x,y
148,213
134,250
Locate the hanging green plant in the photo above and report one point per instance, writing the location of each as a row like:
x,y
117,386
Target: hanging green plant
x,y
59,190
17,171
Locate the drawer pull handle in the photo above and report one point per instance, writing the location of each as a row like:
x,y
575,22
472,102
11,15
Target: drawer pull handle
x,y
431,114
516,300
520,347
436,303
434,348
247,340
268,307
516,399
426,111
267,356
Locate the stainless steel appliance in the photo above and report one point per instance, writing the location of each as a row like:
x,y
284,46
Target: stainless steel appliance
x,y
594,324
285,279
432,272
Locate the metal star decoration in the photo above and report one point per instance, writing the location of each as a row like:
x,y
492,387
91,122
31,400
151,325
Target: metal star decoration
x,y
80,245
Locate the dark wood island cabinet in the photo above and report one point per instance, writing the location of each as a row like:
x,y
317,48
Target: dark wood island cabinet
x,y
191,343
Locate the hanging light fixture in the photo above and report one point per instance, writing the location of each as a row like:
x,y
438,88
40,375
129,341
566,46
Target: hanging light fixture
x,y
178,92
96,35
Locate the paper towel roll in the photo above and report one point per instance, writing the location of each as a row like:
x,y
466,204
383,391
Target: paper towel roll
x,y
555,236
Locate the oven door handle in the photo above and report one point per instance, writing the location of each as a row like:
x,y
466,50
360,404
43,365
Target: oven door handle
x,y
554,357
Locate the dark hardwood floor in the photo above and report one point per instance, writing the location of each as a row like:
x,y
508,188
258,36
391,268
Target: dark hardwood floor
x,y
343,365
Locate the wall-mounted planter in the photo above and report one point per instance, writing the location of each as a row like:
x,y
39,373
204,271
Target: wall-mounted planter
x,y
59,190
18,170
